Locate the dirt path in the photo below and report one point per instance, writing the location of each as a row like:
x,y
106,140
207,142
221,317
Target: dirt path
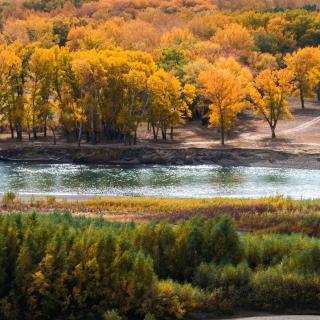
x,y
298,128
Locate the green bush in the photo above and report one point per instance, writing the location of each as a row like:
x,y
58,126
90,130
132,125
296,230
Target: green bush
x,y
112,315
274,290
305,262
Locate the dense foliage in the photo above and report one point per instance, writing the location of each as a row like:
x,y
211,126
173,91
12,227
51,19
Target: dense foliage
x,y
56,266
102,69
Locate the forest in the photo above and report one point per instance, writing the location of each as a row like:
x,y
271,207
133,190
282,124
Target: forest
x,y
96,71
60,267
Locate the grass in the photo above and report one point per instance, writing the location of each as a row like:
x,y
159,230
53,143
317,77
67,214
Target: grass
x,y
276,214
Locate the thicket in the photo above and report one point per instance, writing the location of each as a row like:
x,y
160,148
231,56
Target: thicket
x,y
57,266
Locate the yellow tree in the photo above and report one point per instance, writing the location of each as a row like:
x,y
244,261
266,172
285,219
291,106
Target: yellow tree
x,y
124,98
91,77
135,103
304,65
224,86
40,87
235,39
169,102
11,95
268,96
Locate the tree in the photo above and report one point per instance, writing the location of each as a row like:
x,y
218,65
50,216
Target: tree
x,y
235,39
40,86
225,91
136,103
169,102
11,93
268,96
91,76
304,65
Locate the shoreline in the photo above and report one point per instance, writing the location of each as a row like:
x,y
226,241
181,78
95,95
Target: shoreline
x,y
161,155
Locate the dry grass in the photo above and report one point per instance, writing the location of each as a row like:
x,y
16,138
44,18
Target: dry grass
x,y
277,214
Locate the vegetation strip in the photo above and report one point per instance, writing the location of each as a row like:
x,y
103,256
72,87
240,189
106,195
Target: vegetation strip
x,y
277,215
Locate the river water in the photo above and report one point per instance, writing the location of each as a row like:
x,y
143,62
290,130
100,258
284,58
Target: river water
x,y
199,181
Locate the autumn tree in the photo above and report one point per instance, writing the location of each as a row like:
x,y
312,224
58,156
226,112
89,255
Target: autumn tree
x,y
268,96
91,76
225,90
304,64
40,87
169,102
235,39
11,92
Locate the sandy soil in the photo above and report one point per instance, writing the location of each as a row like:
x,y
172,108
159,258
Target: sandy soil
x,y
302,134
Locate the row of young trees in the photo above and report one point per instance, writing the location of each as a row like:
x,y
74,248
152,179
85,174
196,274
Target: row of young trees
x,y
106,92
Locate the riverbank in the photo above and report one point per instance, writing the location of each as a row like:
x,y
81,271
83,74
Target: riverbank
x,y
160,154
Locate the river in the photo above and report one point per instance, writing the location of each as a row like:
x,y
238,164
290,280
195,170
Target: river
x,y
199,181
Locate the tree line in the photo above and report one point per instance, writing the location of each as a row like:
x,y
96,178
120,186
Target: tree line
x,y
108,94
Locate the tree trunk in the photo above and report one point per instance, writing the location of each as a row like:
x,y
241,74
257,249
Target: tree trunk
x,y
45,128
29,132
92,128
171,133
273,132
79,134
164,134
54,136
302,99
11,130
318,94
135,137
222,136
155,133
34,130
19,131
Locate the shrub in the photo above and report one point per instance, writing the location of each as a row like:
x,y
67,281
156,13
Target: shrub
x,y
176,299
227,285
274,290
306,262
51,200
111,315
8,197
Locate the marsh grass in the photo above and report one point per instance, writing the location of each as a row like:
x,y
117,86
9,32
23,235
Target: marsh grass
x,y
274,214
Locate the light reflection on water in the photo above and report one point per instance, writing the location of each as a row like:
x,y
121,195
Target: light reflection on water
x,y
199,181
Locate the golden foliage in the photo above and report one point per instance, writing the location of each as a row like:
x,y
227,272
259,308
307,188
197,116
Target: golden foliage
x,y
268,95
224,87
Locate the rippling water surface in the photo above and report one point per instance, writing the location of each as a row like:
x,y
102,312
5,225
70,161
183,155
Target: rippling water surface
x,y
200,181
